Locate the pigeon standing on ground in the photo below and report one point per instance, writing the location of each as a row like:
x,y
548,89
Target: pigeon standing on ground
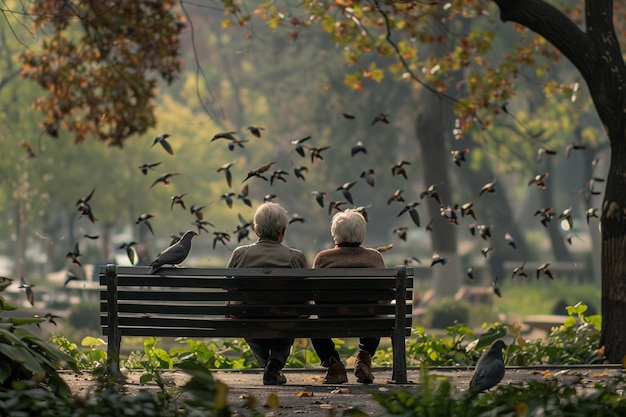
x,y
490,368
174,254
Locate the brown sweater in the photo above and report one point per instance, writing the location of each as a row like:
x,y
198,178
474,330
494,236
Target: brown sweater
x,y
349,257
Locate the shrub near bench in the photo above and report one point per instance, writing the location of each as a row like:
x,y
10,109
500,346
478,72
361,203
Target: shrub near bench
x,y
257,303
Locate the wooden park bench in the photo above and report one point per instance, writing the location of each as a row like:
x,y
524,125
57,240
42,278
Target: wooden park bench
x,y
257,303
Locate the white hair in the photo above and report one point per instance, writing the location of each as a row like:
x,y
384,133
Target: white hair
x,y
348,226
270,220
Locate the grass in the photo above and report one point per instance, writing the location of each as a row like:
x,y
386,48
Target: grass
x,y
529,297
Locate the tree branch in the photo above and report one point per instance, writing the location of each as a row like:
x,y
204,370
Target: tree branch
x,y
555,27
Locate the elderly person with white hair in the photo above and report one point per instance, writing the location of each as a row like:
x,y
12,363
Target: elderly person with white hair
x,y
348,231
270,223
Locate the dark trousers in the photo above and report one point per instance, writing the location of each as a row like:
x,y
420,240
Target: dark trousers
x,y
275,350
325,348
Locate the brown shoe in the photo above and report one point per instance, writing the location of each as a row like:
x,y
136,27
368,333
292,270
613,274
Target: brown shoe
x,y
336,373
362,368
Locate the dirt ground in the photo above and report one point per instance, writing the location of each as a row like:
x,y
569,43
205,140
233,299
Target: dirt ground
x,y
305,394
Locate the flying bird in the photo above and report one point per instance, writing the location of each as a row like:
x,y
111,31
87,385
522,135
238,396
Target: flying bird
x,y
381,118
591,213
546,215
438,259
510,241
467,210
458,156
431,192
130,251
488,188
197,211
226,170
164,178
398,170
396,196
411,260
269,198
489,369
86,199
144,218
384,248
84,208
222,237
369,177
243,196
300,148
319,197
567,215
316,153
544,151
573,147
200,225
148,166
258,172
174,254
228,198
299,170
278,176
74,254
345,190
335,205
256,130
224,135
496,288
162,140
539,180
30,294
519,271
296,218
358,148
401,232
233,143
544,268
411,209
178,200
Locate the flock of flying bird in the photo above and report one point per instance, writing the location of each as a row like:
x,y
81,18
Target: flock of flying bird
x,y
309,156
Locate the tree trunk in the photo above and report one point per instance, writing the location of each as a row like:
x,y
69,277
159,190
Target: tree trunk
x,y
435,163
596,54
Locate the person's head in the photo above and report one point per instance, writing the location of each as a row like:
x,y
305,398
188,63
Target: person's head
x,y
348,226
270,221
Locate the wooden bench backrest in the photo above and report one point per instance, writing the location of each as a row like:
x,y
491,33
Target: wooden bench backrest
x,y
260,302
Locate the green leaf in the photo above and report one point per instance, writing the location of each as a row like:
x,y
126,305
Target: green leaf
x,y
92,342
21,321
5,306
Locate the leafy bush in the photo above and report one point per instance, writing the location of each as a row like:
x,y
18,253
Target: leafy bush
x,y
435,396
24,357
447,312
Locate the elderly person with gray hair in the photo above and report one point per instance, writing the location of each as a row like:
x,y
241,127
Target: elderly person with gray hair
x,y
270,223
348,231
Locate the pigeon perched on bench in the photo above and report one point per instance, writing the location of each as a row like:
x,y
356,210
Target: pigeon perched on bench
x,y
175,254
490,368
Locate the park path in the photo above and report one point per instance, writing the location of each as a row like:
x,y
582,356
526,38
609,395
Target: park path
x,y
305,395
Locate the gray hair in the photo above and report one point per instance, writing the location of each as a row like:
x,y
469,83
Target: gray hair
x,y
348,226
270,220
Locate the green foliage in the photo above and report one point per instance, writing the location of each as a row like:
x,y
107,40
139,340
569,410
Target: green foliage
x,y
91,358
436,396
577,341
446,312
24,357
